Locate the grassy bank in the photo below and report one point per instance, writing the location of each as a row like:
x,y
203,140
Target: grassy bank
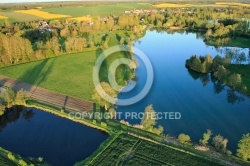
x,y
64,114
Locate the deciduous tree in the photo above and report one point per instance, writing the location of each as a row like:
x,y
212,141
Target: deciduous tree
x,y
244,147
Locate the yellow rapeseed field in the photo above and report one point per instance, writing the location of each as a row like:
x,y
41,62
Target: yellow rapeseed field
x,y
3,17
233,3
42,14
165,5
83,18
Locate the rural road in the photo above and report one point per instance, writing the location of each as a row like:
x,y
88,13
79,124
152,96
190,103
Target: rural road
x,y
47,96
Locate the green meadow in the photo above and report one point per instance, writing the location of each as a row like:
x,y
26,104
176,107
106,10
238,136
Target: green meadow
x,y
68,74
99,10
16,17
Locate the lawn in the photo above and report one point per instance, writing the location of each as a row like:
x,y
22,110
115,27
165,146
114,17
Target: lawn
x,y
98,10
67,74
130,150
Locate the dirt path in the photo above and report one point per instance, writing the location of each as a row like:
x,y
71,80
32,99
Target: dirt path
x,y
47,96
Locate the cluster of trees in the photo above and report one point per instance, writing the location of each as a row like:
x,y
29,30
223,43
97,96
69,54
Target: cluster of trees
x,y
69,36
217,67
220,143
14,49
149,121
184,138
244,147
221,25
9,98
206,64
28,41
200,64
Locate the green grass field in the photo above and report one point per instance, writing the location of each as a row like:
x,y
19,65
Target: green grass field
x,y
130,150
98,10
15,17
70,74
67,74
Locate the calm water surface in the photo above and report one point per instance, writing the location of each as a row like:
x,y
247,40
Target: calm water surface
x,y
35,133
203,102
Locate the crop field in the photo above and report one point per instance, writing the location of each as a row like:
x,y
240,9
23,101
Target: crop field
x,y
232,4
42,14
83,18
3,17
169,5
15,16
101,10
217,4
130,150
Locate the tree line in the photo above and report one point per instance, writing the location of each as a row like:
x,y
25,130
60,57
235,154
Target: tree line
x,y
32,41
220,143
218,67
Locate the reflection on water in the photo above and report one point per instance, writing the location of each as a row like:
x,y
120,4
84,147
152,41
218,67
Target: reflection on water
x,y
35,133
12,115
232,96
203,101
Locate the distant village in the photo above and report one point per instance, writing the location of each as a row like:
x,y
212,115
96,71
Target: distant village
x,y
141,11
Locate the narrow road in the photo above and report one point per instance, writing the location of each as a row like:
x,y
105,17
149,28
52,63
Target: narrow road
x,y
47,96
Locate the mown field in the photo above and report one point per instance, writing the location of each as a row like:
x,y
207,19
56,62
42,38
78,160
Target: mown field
x,y
130,150
66,74
100,10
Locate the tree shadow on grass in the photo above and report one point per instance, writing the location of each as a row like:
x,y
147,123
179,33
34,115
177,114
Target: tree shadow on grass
x,y
38,74
103,73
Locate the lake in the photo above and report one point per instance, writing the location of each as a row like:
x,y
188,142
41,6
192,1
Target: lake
x,y
34,133
204,103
